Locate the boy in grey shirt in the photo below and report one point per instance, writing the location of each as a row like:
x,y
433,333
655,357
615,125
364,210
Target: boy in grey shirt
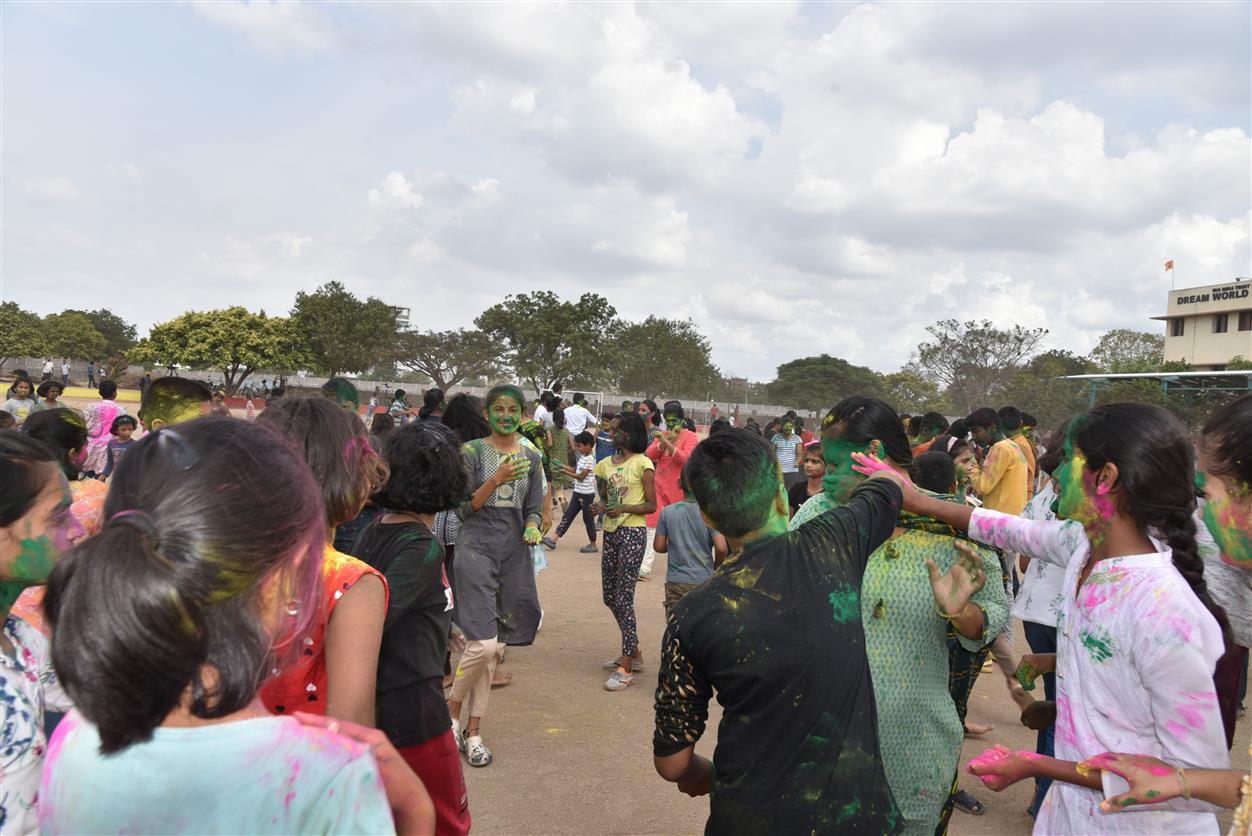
x,y
693,549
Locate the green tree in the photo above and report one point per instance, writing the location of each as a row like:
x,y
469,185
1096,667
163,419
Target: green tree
x,y
119,336
975,361
663,356
342,333
21,333
913,393
1039,388
449,357
1122,350
820,382
72,334
233,340
548,341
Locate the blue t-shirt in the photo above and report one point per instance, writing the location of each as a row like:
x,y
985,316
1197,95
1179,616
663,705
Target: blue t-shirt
x,y
265,775
604,445
689,550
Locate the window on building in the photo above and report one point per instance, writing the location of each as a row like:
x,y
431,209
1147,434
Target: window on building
x,y
1176,327
1220,322
1245,320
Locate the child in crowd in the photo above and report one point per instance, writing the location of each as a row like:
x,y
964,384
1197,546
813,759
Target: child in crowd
x,y
36,528
584,494
165,624
334,673
693,550
21,402
1137,628
49,392
669,451
426,477
64,432
777,634
123,429
814,470
100,416
497,601
7,421
627,491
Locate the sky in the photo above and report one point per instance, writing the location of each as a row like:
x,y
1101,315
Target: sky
x,y
795,178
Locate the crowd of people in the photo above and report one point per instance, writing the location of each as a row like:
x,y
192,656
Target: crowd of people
x,y
294,623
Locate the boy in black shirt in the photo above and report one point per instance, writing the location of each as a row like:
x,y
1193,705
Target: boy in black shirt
x,y
776,632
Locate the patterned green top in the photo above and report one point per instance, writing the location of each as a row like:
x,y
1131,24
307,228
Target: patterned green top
x,y
919,733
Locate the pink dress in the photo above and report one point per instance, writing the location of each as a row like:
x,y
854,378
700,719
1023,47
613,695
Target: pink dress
x,y
100,417
669,471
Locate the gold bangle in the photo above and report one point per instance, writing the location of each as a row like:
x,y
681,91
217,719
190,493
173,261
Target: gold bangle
x,y
1184,781
950,616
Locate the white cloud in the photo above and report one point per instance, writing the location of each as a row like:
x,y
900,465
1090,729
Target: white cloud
x,y
59,189
274,26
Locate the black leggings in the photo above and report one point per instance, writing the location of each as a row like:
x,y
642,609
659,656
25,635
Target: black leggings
x,y
581,501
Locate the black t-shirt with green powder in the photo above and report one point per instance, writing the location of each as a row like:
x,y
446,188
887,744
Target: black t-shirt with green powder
x,y
777,633
410,704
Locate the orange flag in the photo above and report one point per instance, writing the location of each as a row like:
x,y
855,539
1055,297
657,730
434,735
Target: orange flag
x,y
1169,265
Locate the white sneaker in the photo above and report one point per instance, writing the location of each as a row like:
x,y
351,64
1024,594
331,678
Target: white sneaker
x,y
476,753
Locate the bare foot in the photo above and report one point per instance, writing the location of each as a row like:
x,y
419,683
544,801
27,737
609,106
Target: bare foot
x,y
976,729
501,678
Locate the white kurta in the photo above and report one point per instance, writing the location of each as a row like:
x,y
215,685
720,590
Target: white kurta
x,y
1135,657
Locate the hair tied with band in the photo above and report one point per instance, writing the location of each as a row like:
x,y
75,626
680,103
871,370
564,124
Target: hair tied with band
x,y
139,520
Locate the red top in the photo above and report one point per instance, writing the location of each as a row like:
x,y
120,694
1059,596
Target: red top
x,y
302,687
669,471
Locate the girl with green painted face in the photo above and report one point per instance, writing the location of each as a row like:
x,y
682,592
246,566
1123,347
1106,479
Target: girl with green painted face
x,y
916,587
36,526
1138,637
497,603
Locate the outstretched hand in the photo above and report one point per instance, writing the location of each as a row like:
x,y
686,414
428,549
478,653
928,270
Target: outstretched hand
x,y
954,589
1151,780
1000,767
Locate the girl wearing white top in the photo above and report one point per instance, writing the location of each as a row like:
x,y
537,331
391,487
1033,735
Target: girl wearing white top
x,y
1137,638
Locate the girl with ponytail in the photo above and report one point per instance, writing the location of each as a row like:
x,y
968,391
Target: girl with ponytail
x,y
1138,633
203,583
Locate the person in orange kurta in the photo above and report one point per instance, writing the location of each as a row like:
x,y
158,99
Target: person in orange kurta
x,y
669,451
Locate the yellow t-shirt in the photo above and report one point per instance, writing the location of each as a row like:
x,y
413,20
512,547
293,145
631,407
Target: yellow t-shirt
x,y
1028,450
1002,482
625,487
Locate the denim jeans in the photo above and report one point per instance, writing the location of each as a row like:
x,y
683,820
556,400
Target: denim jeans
x,y
1042,639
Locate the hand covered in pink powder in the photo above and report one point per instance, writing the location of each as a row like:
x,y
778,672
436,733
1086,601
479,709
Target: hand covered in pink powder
x,y
1151,780
1001,767
867,464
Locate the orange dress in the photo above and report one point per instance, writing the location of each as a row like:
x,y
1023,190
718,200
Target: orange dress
x,y
302,686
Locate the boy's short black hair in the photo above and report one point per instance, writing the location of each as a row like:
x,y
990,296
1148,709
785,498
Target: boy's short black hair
x,y
123,419
934,422
934,470
427,475
1010,418
584,437
984,417
1029,420
734,477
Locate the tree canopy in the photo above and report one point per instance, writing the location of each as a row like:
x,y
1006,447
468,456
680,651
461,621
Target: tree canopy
x,y
663,356
73,334
974,361
449,357
342,333
21,333
822,381
1122,350
233,339
548,341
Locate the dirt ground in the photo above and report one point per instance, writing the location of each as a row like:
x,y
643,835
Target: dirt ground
x,y
571,757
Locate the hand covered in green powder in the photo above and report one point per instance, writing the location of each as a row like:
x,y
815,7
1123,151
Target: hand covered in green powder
x,y
1033,666
516,466
954,589
1151,780
531,535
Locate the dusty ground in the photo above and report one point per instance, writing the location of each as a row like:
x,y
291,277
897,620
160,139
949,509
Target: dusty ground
x,y
571,757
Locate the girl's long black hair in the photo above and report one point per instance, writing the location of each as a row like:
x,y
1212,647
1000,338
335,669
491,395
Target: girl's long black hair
x,y
866,419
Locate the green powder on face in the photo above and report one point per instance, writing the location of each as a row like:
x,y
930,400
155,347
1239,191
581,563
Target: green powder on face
x,y
845,604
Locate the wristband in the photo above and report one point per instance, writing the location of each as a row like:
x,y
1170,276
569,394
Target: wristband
x,y
1184,782
950,616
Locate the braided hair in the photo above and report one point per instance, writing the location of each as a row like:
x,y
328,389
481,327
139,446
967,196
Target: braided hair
x,y
1156,473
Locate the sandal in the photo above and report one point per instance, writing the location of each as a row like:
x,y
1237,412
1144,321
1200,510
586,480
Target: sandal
x,y
966,803
619,681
